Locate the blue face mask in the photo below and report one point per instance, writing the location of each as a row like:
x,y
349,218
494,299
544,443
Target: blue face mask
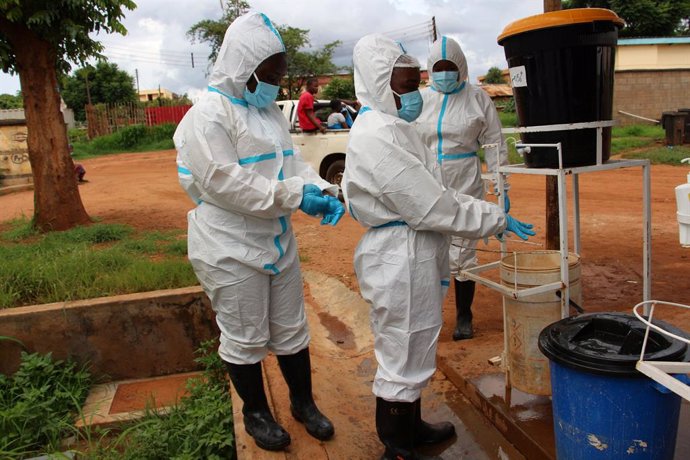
x,y
446,82
264,94
410,105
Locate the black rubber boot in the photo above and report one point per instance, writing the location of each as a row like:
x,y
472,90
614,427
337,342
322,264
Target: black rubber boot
x,y
297,372
395,426
464,295
430,433
258,420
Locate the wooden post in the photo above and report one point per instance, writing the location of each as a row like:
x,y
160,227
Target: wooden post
x,y
551,234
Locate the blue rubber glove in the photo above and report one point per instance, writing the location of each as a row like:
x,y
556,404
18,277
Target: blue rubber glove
x,y
335,211
521,229
313,202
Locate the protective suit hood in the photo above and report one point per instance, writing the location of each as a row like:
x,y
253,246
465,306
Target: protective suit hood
x,y
374,57
448,49
249,40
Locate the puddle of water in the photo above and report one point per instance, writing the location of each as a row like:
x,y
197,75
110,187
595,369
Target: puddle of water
x,y
338,332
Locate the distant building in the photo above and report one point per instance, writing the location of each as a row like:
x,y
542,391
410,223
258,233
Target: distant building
x,y
147,95
652,75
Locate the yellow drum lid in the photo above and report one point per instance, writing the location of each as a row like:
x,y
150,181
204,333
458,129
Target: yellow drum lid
x,y
559,19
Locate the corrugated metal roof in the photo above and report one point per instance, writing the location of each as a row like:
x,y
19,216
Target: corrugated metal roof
x,y
653,41
497,90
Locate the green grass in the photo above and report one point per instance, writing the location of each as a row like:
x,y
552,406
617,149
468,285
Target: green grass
x,y
135,138
508,119
38,403
87,262
662,154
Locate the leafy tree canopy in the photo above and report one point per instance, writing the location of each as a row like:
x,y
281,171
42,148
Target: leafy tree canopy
x,y
107,84
212,31
644,18
304,64
340,88
65,24
8,101
494,76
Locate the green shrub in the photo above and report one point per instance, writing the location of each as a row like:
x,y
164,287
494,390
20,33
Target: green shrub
x,y
38,403
134,138
130,136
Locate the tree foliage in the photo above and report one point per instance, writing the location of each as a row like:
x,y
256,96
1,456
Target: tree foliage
x,y
7,101
644,18
304,64
66,24
107,84
494,76
339,88
301,64
212,31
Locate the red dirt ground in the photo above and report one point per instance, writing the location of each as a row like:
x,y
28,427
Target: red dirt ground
x,y
141,190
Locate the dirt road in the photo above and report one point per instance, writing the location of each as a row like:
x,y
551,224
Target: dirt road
x,y
141,190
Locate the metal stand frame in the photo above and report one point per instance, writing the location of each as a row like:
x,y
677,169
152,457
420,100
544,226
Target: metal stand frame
x,y
663,371
562,173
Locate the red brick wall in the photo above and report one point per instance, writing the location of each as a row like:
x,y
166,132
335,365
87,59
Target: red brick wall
x,y
650,92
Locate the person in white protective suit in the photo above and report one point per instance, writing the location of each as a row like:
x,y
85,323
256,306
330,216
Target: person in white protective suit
x,y
392,186
236,160
458,119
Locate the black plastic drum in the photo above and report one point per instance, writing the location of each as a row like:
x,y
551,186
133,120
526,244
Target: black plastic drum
x,y
562,70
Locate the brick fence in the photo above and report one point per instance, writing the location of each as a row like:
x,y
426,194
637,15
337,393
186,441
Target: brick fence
x,y
650,92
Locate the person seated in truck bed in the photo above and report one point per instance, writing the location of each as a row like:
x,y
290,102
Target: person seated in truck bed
x,y
339,117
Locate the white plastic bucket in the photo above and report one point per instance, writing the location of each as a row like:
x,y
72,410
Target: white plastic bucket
x,y
526,317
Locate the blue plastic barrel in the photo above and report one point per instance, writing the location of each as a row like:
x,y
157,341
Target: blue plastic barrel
x,y
603,408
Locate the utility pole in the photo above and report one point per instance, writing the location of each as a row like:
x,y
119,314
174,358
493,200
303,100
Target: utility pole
x,y
433,28
136,73
192,60
552,230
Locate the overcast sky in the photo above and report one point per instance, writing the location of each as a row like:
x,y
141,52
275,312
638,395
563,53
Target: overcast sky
x,y
158,48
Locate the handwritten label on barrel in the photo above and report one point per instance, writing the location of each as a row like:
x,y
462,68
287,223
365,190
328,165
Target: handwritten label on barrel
x,y
518,76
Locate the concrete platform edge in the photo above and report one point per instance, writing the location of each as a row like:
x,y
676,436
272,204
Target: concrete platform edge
x,y
503,422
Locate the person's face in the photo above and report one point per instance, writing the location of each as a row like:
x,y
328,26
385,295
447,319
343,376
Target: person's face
x,y
445,65
404,80
313,87
271,71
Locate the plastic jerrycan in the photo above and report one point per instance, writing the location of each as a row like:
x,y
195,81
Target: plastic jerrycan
x,y
683,214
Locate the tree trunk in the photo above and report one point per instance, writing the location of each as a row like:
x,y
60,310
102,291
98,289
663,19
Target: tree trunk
x,y
57,203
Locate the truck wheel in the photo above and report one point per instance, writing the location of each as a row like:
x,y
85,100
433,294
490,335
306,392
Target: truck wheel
x,y
334,175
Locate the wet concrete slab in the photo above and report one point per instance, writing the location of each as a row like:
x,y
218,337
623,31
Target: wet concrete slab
x,y
343,367
526,420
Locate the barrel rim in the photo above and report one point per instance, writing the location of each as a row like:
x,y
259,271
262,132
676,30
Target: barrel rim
x,y
559,19
507,261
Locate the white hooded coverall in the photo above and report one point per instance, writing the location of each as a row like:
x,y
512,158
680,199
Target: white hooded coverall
x,y
454,126
238,163
392,186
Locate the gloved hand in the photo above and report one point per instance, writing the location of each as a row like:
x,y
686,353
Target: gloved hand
x,y
313,201
335,211
521,229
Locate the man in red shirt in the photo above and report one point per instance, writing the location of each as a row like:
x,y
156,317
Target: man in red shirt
x,y
305,108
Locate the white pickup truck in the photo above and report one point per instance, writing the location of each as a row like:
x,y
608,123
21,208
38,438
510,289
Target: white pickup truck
x,y
324,152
